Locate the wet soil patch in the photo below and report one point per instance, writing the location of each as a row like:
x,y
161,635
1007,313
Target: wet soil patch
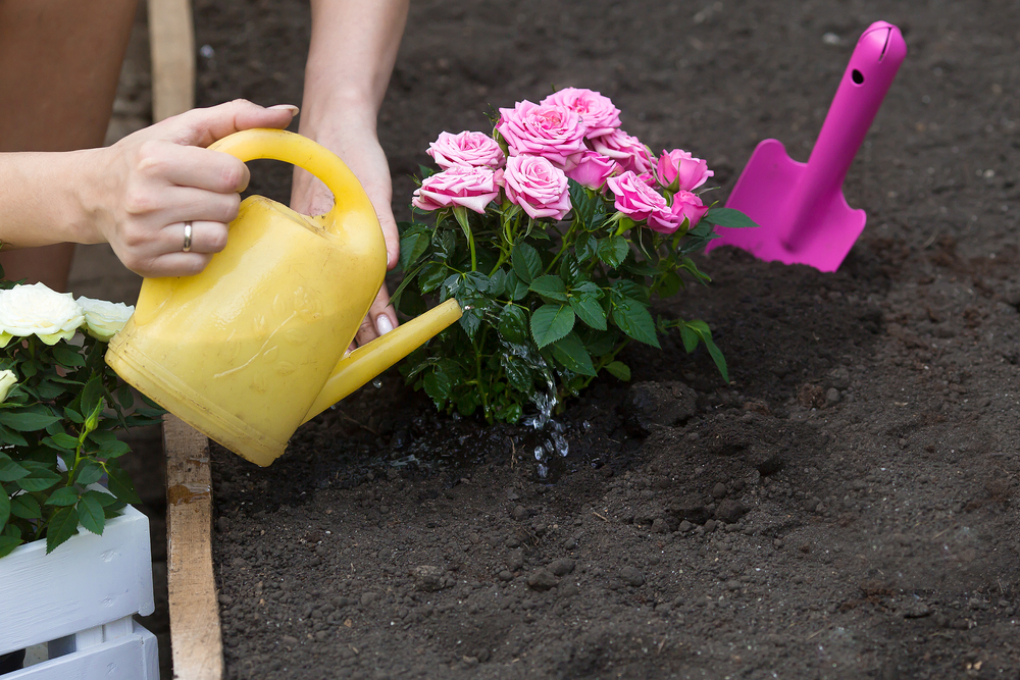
x,y
845,508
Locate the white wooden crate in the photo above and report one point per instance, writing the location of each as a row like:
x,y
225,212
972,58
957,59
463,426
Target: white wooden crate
x,y
80,600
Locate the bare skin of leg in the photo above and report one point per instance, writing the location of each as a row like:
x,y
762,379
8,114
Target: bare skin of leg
x,y
59,65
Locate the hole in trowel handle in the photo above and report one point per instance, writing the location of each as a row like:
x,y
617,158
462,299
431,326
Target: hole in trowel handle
x,y
857,77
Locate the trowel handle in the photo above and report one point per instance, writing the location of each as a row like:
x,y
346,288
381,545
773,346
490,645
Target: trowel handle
x,y
873,65
280,145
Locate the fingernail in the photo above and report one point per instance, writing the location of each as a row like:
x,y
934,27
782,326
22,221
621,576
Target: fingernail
x,y
289,107
383,325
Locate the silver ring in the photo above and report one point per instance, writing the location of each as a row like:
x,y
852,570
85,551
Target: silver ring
x,y
187,237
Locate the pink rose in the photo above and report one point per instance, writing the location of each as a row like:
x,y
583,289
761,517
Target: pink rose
x,y
678,170
686,204
466,148
635,199
459,185
538,186
590,169
553,132
598,114
625,149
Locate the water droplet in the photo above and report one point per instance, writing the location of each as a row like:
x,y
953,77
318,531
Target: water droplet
x,y
377,383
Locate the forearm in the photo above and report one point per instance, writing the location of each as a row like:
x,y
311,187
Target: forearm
x,y
39,199
353,49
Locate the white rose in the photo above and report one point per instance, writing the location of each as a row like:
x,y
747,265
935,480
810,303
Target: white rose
x,y
7,381
104,319
38,310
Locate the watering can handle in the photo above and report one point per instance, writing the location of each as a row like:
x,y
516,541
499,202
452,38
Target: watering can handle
x,y
280,145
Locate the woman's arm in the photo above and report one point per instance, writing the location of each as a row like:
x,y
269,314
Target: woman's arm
x,y
138,194
354,46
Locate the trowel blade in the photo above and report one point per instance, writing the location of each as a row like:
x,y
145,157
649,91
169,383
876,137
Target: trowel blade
x,y
765,191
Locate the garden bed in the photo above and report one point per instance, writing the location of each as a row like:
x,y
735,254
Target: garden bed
x,y
845,508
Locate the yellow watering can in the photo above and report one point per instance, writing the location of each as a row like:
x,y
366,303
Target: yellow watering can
x,y
253,346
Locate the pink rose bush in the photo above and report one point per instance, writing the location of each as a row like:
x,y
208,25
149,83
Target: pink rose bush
x,y
553,233
538,186
677,170
459,185
467,148
550,131
598,114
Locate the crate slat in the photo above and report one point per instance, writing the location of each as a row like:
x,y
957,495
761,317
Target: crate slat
x,y
44,597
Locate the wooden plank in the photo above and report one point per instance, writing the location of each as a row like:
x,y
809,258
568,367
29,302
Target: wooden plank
x,y
172,44
41,597
195,638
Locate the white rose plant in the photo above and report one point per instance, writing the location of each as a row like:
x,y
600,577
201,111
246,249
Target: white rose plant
x,y
60,409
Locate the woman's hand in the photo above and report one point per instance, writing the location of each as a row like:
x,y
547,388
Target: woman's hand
x,y
358,147
147,188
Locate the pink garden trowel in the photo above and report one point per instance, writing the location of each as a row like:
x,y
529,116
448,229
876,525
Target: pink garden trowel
x,y
803,216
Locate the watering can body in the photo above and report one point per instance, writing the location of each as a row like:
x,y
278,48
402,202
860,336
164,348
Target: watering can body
x,y
254,345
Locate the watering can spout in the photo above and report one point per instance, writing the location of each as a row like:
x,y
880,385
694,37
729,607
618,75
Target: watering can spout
x,y
368,361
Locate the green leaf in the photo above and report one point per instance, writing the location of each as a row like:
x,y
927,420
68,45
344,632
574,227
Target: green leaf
x,y
413,245
90,513
65,495
120,484
613,250
438,386
476,281
634,319
27,422
445,244
585,247
63,525
549,323
550,287
40,479
728,217
689,337
570,352
670,285
601,343
590,311
625,288
105,499
73,415
520,377
10,437
89,473
516,288
527,262
497,283
513,324
8,544
113,449
67,356
92,395
25,507
62,442
619,370
705,335
432,276
450,287
9,470
471,319
5,508
570,270
125,396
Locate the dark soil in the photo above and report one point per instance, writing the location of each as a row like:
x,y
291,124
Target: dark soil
x,y
845,508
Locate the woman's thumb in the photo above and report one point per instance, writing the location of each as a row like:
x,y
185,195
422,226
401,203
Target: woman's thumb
x,y
202,127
